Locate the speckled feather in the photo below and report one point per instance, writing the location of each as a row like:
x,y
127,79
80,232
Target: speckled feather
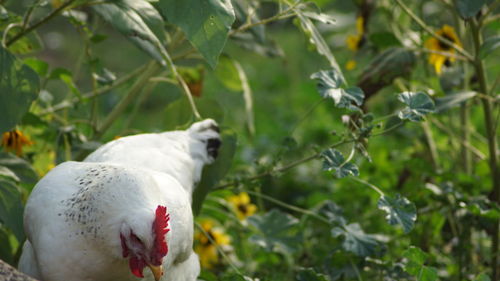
x,y
75,214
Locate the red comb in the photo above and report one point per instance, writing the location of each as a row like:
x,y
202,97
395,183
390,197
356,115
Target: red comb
x,y
160,229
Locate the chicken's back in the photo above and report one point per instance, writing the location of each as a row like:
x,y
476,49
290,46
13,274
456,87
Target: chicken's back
x,y
74,215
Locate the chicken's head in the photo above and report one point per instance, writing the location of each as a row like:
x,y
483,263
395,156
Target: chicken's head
x,y
147,249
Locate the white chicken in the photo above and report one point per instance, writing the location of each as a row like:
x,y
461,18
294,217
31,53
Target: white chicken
x,y
125,208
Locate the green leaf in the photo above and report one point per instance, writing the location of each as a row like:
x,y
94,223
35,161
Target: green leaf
x,y
329,86
333,160
453,100
482,277
384,68
22,168
399,211
489,45
39,66
357,241
324,18
67,77
8,174
6,251
235,277
276,231
206,23
308,274
268,48
469,8
428,273
11,208
416,258
19,86
384,39
136,19
316,38
418,105
227,73
213,173
415,265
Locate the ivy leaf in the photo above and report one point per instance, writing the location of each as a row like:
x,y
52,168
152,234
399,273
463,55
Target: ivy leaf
x,y
206,23
333,160
19,86
329,86
415,265
489,45
309,274
469,8
332,212
11,208
357,241
418,104
275,231
399,211
131,18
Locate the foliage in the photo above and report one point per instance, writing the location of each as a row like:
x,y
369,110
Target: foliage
x,y
415,191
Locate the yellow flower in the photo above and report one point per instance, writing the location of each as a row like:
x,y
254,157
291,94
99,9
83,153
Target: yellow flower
x,y
205,248
359,25
438,60
242,206
14,141
353,42
350,65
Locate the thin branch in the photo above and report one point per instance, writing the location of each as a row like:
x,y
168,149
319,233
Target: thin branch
x,y
283,15
98,92
368,184
39,23
445,54
485,19
283,168
127,100
289,206
422,24
181,81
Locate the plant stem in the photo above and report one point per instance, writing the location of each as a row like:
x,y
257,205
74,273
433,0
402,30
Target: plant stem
x,y
378,190
290,207
432,145
283,168
492,142
283,15
97,92
181,81
27,30
422,24
135,90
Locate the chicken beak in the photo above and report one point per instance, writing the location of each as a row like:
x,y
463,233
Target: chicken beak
x,y
157,271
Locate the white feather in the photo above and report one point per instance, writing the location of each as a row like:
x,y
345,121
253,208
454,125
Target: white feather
x,y
75,214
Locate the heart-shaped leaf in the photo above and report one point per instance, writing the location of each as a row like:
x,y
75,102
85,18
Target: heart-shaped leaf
x,y
276,231
19,86
329,86
333,160
399,211
357,241
418,104
206,23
